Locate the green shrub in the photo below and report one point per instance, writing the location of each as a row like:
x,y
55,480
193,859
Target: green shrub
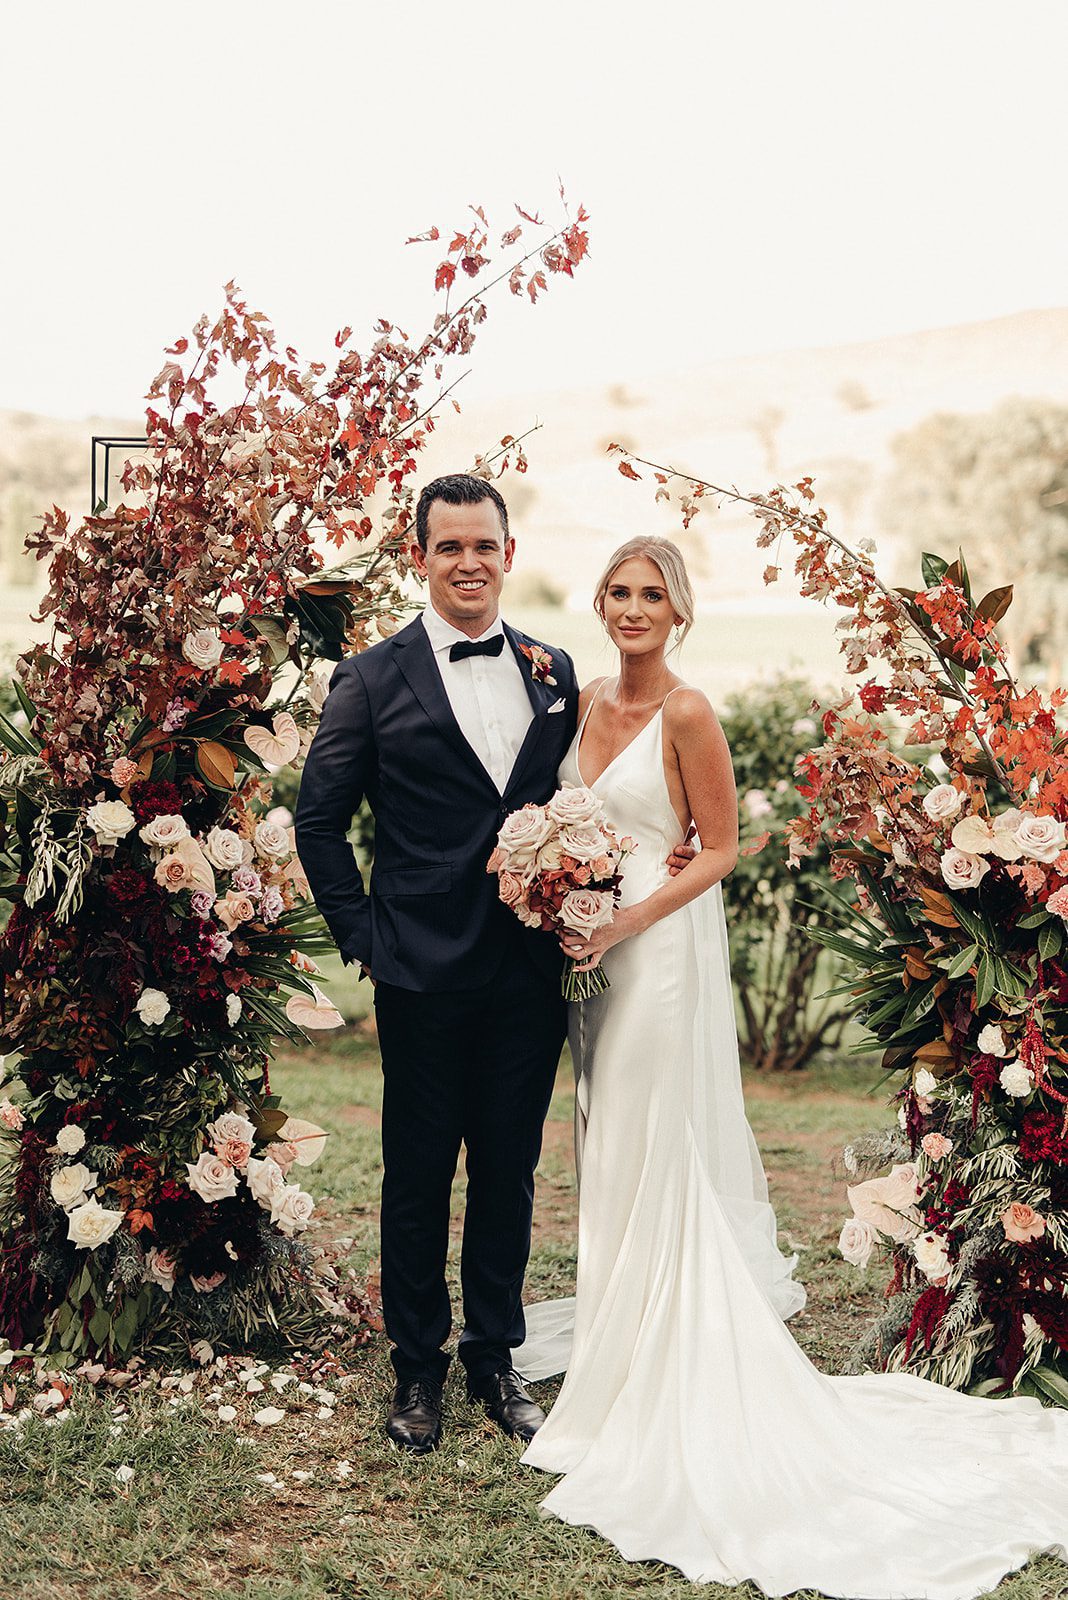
x,y
779,970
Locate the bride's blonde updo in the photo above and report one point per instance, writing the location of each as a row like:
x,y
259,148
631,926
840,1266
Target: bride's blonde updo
x,y
668,559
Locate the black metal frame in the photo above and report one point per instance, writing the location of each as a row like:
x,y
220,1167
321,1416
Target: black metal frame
x,y
108,443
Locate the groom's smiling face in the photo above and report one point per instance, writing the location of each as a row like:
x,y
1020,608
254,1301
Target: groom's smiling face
x,y
464,563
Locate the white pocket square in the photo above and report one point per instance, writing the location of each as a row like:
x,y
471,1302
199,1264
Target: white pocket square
x,y
557,705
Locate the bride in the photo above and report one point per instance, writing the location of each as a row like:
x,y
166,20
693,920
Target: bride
x,y
690,1427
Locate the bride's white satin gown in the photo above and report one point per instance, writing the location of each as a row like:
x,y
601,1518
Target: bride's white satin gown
x,y
691,1428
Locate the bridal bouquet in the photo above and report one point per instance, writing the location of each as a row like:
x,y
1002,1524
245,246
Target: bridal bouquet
x,y
558,868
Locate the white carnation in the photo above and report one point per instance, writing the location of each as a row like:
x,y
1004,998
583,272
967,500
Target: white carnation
x,y
991,1040
931,1255
152,1007
110,820
233,1008
70,1139
1015,1080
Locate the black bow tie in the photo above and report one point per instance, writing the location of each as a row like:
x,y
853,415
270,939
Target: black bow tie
x,y
477,647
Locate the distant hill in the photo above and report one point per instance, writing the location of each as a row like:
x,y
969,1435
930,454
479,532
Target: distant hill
x,y
751,422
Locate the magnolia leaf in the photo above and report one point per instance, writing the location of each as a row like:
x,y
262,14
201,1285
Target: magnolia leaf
x,y
933,568
993,606
268,1123
216,764
934,1051
274,632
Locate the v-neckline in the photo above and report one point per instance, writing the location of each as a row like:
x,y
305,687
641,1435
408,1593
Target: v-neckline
x,y
619,753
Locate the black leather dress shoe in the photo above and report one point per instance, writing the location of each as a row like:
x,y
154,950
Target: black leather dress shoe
x,y
414,1421
507,1402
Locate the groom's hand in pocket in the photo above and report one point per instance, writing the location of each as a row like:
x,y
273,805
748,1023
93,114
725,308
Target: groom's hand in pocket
x,y
682,854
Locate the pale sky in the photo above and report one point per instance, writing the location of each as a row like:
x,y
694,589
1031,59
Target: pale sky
x,y
759,175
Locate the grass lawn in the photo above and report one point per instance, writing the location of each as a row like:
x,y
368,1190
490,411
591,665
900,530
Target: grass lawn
x,y
341,1513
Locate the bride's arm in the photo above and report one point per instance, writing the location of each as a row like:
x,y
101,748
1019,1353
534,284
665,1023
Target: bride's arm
x,y
708,779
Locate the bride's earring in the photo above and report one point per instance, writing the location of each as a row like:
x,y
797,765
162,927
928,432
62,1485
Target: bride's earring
x,y
678,634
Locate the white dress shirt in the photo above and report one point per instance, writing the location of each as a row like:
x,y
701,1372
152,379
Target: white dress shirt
x,y
487,695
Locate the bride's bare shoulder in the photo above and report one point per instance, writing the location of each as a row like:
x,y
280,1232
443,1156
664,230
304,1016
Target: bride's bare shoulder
x,y
587,693
690,716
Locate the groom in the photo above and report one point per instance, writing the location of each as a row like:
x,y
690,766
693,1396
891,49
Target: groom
x,y
446,728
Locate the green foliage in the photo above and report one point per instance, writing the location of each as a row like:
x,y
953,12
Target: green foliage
x,y
771,908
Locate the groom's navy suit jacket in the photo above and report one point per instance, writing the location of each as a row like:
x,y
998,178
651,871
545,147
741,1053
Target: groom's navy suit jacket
x,y
432,920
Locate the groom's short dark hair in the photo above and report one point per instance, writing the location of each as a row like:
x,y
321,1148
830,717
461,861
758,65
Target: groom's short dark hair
x,y
457,489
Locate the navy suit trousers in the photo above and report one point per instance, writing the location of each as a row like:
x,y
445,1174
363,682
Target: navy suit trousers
x,y
471,1067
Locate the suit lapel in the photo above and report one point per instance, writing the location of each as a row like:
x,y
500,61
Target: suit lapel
x,y
540,705
415,657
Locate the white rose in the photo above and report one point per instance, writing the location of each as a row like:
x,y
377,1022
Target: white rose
x,y
226,849
159,1268
110,820
69,1184
943,801
211,1178
1015,1080
962,870
203,648
271,839
291,1208
991,1041
931,1256
265,1178
584,843
231,1125
573,805
70,1139
523,834
856,1242
233,1008
91,1224
586,909
152,1007
925,1082
973,834
1042,838
163,833
281,815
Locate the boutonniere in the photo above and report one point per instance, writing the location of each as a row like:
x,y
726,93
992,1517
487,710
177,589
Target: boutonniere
x,y
540,662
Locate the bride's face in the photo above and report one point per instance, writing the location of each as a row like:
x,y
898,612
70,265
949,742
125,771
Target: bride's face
x,y
636,609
